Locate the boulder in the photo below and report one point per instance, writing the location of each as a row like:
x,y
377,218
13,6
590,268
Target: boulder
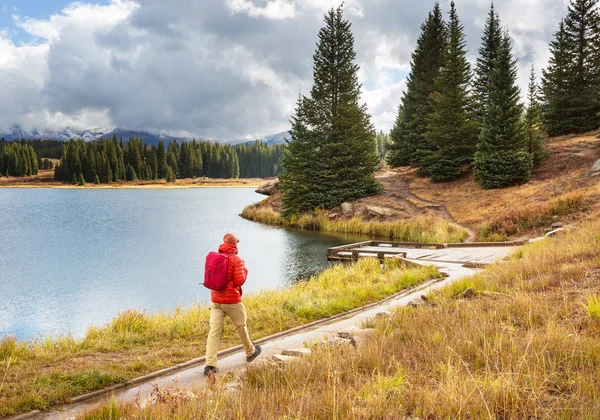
x,y
557,225
269,188
379,211
468,294
347,209
595,171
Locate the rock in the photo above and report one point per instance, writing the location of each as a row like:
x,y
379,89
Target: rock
x,y
555,232
415,303
333,216
269,188
299,352
379,211
347,209
423,297
282,359
557,225
334,342
347,332
595,171
468,293
359,337
233,386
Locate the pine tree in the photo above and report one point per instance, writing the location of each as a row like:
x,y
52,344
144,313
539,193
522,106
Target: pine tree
x,y
331,156
74,180
571,81
80,180
452,127
408,135
169,174
490,42
535,143
501,160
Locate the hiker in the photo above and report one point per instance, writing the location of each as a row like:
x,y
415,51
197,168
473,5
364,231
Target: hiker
x,y
229,302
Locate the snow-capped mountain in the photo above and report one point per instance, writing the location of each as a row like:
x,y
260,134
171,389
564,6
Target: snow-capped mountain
x,y
17,133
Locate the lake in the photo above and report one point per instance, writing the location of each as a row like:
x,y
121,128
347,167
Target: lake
x,y
70,258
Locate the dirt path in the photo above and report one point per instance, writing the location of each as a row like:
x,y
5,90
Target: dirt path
x,y
397,195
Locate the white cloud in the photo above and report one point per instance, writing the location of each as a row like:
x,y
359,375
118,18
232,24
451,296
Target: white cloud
x,y
274,9
223,68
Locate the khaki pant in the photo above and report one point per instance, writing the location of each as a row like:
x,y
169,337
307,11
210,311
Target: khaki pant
x,y
237,313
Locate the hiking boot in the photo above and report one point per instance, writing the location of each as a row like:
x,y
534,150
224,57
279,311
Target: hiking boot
x,y
210,369
254,355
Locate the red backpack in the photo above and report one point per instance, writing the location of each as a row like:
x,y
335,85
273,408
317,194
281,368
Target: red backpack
x,y
215,271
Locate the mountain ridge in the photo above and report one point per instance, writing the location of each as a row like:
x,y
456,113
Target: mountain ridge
x,y
92,134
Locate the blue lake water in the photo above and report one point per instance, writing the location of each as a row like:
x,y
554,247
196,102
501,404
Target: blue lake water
x,y
74,257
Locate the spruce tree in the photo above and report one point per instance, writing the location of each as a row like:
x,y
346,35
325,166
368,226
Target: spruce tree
x,y
490,42
452,127
80,180
408,134
501,160
571,81
555,84
533,123
169,174
331,156
74,180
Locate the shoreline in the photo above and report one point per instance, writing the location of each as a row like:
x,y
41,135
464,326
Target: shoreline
x,y
45,180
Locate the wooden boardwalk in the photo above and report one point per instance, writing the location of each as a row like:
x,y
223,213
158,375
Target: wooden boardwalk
x,y
471,254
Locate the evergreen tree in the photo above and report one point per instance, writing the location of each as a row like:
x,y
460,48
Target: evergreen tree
x,y
169,174
571,82
80,180
490,42
535,143
331,156
501,160
74,180
408,135
452,127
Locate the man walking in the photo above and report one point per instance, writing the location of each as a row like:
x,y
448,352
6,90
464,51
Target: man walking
x,y
229,302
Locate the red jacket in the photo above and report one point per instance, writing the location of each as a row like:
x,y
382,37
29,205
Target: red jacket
x,y
236,277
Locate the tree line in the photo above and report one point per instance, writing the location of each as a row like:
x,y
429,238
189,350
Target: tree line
x,y
17,159
451,118
111,160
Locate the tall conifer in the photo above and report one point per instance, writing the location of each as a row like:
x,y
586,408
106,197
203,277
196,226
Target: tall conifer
x,y
452,127
332,155
408,134
501,159
533,123
571,81
490,42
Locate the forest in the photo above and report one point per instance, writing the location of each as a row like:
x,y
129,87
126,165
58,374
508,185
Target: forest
x,y
112,160
18,159
454,118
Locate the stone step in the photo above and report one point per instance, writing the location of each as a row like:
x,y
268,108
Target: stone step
x,y
282,359
299,352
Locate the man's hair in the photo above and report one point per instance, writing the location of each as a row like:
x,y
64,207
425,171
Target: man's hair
x,y
230,238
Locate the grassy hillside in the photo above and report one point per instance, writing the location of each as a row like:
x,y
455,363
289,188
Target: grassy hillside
x,y
559,191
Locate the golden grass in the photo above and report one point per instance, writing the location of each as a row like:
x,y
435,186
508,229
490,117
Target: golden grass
x,y
47,372
524,347
424,229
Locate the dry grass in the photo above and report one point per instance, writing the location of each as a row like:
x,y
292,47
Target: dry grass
x,y
424,229
524,347
47,372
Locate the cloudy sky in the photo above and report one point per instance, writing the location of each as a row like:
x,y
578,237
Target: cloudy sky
x,y
224,69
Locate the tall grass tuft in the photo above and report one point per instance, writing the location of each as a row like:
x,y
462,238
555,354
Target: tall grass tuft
x,y
593,307
424,229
